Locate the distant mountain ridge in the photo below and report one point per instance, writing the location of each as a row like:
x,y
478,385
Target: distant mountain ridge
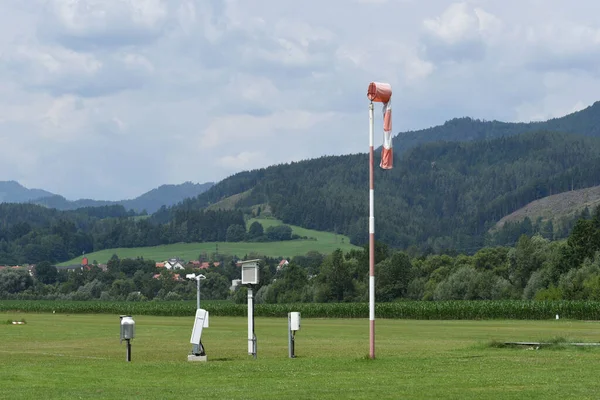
x,y
14,192
585,122
165,195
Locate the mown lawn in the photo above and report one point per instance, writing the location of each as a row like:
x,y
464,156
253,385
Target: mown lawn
x,y
79,356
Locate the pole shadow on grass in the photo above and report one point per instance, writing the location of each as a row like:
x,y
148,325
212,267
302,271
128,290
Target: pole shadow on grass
x,y
556,343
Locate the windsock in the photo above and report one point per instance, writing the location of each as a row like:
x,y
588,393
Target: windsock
x,y
382,93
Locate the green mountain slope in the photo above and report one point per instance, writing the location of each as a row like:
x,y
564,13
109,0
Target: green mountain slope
x,y
440,195
585,122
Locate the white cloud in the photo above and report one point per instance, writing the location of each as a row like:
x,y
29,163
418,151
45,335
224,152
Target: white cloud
x,y
94,23
456,24
243,160
461,32
250,128
214,86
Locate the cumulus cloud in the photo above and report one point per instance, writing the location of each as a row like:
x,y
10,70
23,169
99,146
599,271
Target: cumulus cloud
x,y
60,70
461,32
126,95
82,24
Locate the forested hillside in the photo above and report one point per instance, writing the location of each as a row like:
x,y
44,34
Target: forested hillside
x,y
438,196
585,122
30,233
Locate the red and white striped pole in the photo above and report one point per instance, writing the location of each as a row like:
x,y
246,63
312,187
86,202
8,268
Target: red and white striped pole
x,y
371,235
377,92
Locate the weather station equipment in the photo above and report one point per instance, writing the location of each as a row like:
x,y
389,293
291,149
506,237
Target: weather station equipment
x,y
250,277
293,327
127,332
200,322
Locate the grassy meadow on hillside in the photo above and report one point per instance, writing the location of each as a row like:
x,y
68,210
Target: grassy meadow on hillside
x,y
323,242
337,240
60,356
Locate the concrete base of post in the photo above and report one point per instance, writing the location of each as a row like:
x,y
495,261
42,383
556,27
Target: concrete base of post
x,y
192,357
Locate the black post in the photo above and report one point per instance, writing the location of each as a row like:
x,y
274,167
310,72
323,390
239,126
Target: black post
x,y
128,350
293,344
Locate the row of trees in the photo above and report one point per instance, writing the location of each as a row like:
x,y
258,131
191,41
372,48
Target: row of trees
x,y
127,279
257,233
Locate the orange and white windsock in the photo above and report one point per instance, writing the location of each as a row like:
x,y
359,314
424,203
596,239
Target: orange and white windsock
x,y
382,93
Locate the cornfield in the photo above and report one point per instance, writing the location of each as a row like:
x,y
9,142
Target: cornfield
x,y
436,310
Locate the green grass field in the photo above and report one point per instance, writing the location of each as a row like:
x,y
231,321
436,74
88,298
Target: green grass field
x,y
325,243
58,356
341,241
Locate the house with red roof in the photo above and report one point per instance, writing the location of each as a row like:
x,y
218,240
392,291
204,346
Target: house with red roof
x,y
282,264
205,264
175,277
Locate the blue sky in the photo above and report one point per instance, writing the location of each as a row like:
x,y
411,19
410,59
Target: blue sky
x,y
107,99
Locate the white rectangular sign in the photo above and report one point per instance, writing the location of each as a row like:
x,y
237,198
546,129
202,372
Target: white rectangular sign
x,y
200,322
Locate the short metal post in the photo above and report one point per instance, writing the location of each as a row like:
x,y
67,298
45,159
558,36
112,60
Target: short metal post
x,y
198,349
252,347
291,350
128,350
253,333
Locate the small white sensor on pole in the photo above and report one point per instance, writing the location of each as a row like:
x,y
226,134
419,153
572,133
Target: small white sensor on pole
x,y
201,321
293,327
127,332
250,276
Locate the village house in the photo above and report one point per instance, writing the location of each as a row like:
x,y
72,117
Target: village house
x,y
282,264
28,268
234,284
70,268
174,263
175,277
205,265
87,266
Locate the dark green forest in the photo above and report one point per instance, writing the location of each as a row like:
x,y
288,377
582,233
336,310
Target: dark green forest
x,y
584,122
440,196
30,233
